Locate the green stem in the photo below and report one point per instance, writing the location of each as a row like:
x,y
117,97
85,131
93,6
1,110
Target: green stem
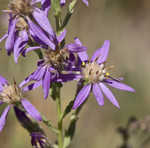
x,y
49,125
60,122
69,14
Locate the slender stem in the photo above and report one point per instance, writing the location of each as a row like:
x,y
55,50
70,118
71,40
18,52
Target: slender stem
x,y
49,125
60,122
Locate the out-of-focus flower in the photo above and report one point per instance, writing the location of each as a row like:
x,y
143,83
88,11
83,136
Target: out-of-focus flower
x,y
57,66
12,96
62,2
39,140
38,137
27,22
95,76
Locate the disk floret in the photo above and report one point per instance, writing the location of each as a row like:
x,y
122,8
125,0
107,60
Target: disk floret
x,y
56,58
11,94
21,7
93,72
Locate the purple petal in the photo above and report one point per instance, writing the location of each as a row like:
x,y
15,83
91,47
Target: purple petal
x,y
85,2
3,117
31,49
20,43
24,82
62,36
43,21
101,54
38,74
75,48
104,52
109,95
31,110
46,83
11,36
35,1
4,37
1,102
62,2
32,86
46,5
3,81
36,30
119,85
82,95
83,55
98,94
68,77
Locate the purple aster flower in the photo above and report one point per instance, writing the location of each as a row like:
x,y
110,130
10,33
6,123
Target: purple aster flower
x,y
26,20
57,66
12,96
95,76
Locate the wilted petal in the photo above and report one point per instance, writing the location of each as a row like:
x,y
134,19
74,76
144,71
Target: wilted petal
x,y
120,86
62,36
82,95
11,36
43,21
46,83
32,86
3,117
36,30
98,94
85,2
31,110
109,95
4,37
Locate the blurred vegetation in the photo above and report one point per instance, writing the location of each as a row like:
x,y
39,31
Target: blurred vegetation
x,y
126,24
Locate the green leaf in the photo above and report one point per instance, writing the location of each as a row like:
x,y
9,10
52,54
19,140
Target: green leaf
x,y
69,133
68,109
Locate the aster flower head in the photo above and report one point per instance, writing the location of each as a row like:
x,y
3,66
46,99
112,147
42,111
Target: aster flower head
x,y
57,66
95,76
12,96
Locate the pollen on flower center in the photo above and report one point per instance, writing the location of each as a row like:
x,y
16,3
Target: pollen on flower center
x,y
10,94
93,72
56,58
22,7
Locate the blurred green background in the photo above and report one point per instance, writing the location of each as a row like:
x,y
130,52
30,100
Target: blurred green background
x,y
126,23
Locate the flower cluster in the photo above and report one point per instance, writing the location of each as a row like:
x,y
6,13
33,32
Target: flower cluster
x,y
30,30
